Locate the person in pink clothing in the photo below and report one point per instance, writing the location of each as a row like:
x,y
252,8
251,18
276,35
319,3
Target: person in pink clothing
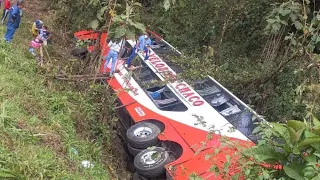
x,y
36,50
6,9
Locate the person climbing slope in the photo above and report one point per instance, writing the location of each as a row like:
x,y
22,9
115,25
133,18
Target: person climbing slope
x,y
36,50
45,34
36,27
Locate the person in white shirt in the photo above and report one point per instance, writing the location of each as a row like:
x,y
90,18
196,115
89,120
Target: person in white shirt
x,y
112,54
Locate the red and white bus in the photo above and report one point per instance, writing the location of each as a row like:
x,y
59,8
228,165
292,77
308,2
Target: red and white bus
x,y
171,127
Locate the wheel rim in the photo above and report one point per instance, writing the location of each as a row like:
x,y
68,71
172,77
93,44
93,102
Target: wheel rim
x,y
142,132
150,157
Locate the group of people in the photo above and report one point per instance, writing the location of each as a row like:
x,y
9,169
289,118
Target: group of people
x,y
142,45
40,36
39,31
14,14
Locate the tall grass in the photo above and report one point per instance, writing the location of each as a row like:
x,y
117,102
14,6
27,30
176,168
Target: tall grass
x,y
38,120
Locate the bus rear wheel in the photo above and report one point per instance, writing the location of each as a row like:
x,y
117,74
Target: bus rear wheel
x,y
137,176
143,135
151,162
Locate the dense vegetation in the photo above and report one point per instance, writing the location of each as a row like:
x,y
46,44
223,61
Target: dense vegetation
x,y
245,51
263,50
47,127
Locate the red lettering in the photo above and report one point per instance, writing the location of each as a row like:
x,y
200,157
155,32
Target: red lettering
x,y
159,65
171,76
128,84
163,69
152,57
183,90
186,95
198,103
194,98
179,85
155,62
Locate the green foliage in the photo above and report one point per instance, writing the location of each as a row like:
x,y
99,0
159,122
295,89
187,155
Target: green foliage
x,y
294,146
123,25
39,121
74,15
294,14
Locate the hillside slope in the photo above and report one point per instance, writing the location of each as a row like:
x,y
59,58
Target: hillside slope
x,y
39,138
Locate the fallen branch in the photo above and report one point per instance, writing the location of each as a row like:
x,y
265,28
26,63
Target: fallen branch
x,y
81,77
124,105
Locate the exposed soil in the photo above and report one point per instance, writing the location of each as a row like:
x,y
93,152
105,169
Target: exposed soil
x,y
114,157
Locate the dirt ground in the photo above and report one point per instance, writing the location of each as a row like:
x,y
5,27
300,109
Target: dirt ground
x,y
36,9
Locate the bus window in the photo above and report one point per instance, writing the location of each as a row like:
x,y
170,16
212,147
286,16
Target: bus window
x,y
165,99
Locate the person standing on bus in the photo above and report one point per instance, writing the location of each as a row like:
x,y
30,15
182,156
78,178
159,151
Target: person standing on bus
x,y
112,54
147,51
141,45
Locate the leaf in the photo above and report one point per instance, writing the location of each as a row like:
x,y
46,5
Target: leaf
x,y
294,136
6,175
309,172
120,31
316,121
316,131
101,13
166,5
94,24
280,128
296,125
310,158
293,17
284,12
139,26
296,150
137,4
309,141
292,173
256,130
287,37
309,134
117,18
264,153
130,34
284,22
271,21
316,177
298,25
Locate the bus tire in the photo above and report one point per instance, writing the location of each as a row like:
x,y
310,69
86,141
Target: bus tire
x,y
151,162
137,176
143,135
134,151
79,52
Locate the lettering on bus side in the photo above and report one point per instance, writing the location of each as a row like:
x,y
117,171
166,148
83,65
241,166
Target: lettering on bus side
x,y
161,66
187,93
127,84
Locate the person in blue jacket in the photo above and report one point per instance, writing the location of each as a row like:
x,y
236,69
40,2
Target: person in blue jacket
x,y
141,45
14,20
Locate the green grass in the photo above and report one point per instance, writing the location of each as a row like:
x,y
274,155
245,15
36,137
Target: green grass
x,y
38,120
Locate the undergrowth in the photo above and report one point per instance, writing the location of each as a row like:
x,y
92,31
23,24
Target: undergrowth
x,y
43,122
